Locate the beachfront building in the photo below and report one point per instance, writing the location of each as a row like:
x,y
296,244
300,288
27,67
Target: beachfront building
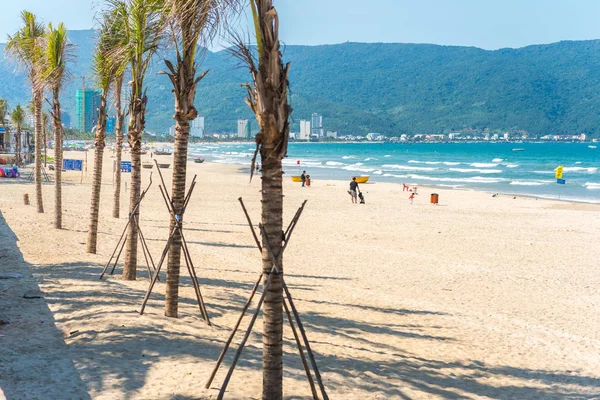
x,y
304,130
374,136
316,125
243,130
87,103
197,127
110,124
331,135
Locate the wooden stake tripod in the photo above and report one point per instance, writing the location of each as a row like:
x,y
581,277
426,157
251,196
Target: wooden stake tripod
x,y
123,239
287,299
177,217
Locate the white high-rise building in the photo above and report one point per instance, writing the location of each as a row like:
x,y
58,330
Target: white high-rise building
x,y
243,128
197,127
304,130
316,123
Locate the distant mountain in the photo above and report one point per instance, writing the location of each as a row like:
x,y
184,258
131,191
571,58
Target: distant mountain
x,y
387,88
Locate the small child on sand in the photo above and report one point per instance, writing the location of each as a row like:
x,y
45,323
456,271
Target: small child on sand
x,y
411,198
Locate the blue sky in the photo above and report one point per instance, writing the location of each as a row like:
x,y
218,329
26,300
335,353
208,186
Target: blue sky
x,y
489,24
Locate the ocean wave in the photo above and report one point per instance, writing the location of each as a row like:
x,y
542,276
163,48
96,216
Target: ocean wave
x,y
530,183
407,167
334,163
358,169
484,165
395,176
450,186
497,160
590,170
592,186
387,155
544,172
371,158
424,162
481,171
451,163
348,157
378,172
473,179
512,165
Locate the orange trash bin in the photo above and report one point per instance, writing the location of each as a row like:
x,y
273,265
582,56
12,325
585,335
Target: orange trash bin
x,y
434,198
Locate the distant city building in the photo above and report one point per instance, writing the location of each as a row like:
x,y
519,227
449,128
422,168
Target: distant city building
x,y
65,118
373,136
243,130
110,124
197,127
316,123
172,130
331,135
304,130
293,135
86,109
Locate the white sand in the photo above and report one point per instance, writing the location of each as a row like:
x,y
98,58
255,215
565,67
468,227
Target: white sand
x,y
478,297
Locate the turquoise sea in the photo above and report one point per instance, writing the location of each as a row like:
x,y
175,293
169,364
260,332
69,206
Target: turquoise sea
x,y
492,167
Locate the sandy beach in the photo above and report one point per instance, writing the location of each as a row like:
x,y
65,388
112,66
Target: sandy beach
x,y
478,297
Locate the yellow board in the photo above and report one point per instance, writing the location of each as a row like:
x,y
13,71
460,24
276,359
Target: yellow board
x,y
296,178
362,179
559,172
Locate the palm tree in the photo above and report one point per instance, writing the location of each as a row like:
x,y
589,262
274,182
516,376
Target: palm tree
x,y
104,70
267,97
140,29
190,21
3,112
26,47
120,114
17,117
58,53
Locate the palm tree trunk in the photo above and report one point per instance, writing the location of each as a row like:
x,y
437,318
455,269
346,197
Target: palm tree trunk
x,y
272,220
97,183
18,146
179,179
57,159
45,146
136,128
119,145
37,98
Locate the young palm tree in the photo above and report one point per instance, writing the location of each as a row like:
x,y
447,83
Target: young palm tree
x,y
17,117
3,113
140,27
190,21
26,47
267,97
104,71
120,114
58,53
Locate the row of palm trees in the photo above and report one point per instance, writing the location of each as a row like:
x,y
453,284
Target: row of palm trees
x,y
130,34
43,52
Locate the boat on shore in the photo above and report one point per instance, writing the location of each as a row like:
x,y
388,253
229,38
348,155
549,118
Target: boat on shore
x,y
296,178
147,165
198,160
162,153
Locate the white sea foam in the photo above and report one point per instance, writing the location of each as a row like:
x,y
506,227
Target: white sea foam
x,y
474,179
450,186
334,163
451,163
414,161
578,162
512,165
424,162
592,186
528,183
371,158
407,167
544,172
395,176
387,155
347,157
481,171
591,170
378,172
497,160
484,165
357,168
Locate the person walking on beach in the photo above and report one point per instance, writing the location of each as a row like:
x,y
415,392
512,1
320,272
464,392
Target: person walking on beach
x,y
303,178
353,190
411,198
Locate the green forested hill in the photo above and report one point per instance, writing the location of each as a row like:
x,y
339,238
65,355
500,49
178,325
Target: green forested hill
x,y
389,88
